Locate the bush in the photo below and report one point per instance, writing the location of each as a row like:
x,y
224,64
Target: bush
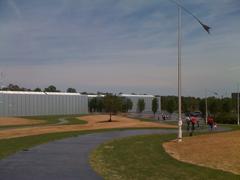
x,y
226,118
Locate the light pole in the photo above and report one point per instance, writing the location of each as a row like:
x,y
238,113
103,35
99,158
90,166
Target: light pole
x,y
238,104
179,75
207,28
206,103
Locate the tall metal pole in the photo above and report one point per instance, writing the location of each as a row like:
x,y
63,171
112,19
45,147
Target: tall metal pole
x,y
179,77
238,104
206,106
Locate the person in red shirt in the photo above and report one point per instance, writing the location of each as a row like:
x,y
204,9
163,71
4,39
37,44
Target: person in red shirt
x,y
193,122
210,122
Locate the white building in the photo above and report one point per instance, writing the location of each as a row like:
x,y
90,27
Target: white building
x,y
22,103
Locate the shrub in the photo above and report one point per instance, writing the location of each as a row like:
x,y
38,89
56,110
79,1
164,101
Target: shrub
x,y
226,118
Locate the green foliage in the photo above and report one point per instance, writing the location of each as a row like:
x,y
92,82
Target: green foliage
x,y
154,105
171,106
226,105
14,87
202,106
71,90
37,90
51,88
226,118
96,104
127,104
112,104
141,105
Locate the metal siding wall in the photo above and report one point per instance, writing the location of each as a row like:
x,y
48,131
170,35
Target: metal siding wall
x,y
35,105
86,104
81,100
58,111
1,104
68,104
71,105
30,105
54,104
10,108
39,104
61,101
5,105
24,104
78,105
15,105
74,105
65,105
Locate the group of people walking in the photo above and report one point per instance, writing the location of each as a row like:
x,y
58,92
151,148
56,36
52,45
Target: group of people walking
x,y
193,121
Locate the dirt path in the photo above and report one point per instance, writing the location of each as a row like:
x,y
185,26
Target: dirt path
x,y
13,121
94,122
219,151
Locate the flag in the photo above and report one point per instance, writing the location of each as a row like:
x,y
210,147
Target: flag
x,y
207,28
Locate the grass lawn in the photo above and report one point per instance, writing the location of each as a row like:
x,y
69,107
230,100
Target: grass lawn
x,y
143,157
49,120
55,119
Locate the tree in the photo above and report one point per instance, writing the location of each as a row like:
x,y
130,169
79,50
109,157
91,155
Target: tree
x,y
112,104
100,104
226,105
126,104
213,105
154,105
71,90
93,104
37,90
129,104
171,105
13,87
51,88
141,105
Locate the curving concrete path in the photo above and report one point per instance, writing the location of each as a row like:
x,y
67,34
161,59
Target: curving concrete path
x,y
65,159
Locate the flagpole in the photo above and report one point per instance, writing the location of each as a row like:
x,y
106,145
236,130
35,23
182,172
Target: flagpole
x,y
238,104
206,28
179,76
206,106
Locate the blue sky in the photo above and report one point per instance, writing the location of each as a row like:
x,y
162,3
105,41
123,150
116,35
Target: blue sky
x,y
119,45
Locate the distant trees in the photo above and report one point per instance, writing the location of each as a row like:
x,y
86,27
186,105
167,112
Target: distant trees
x,y
96,104
127,104
155,105
141,105
37,89
71,90
14,87
51,88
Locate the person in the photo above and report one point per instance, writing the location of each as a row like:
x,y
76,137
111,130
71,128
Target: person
x,y
198,124
210,122
164,117
215,125
188,120
193,122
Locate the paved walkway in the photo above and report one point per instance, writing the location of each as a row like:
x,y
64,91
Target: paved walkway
x,y
65,159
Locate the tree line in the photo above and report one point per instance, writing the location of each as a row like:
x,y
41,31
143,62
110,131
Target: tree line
x,y
222,109
50,88
113,104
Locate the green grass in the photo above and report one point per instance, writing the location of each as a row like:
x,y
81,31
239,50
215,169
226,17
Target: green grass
x,y
143,157
49,120
74,120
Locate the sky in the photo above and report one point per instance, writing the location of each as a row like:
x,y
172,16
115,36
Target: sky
x,y
120,45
